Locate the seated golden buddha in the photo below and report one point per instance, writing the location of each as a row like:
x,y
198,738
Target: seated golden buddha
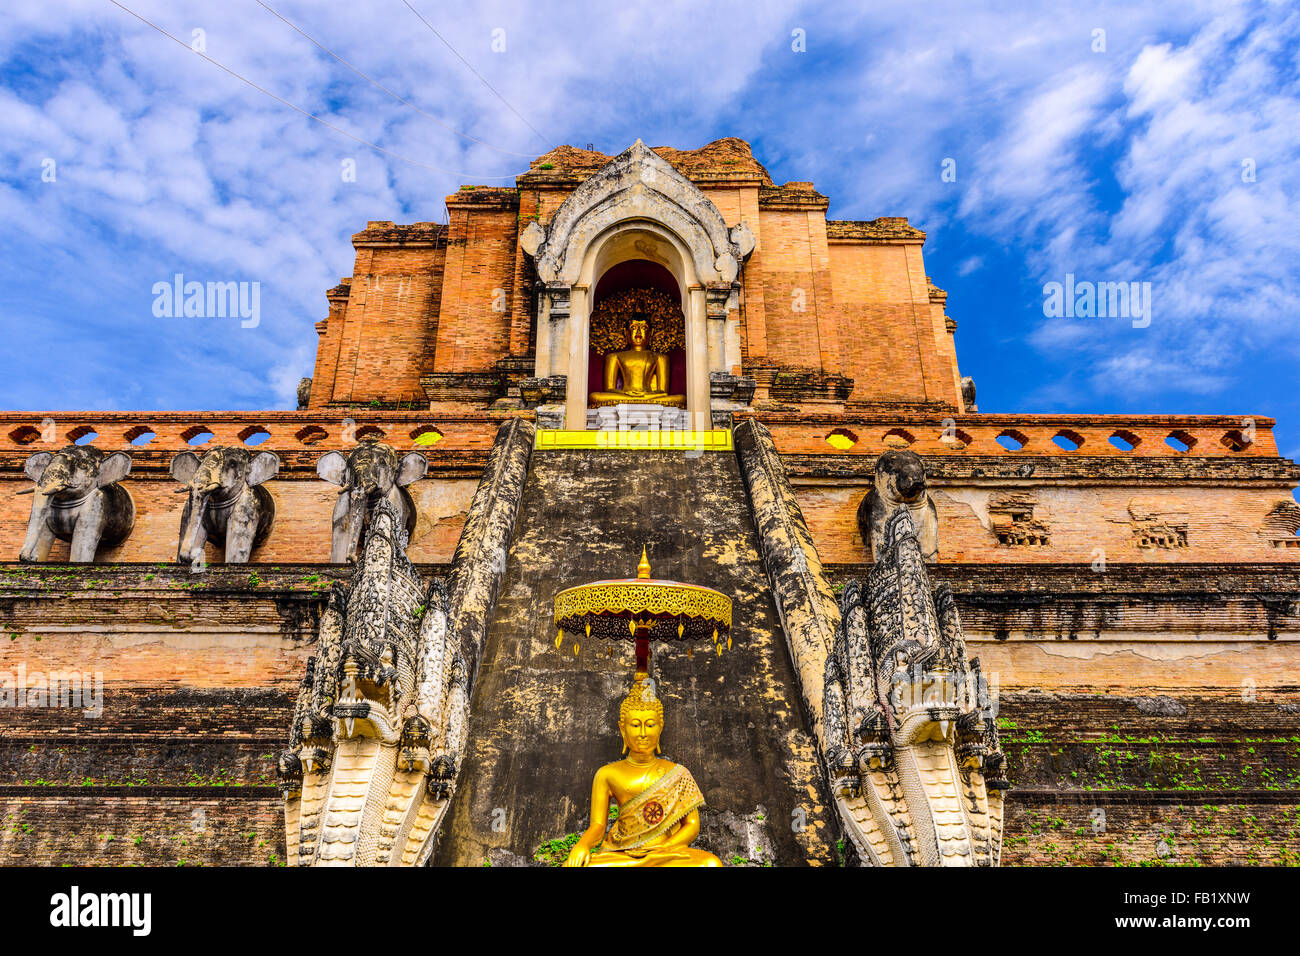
x,y
658,800
643,372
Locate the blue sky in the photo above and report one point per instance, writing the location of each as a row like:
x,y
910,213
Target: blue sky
x,y
1117,164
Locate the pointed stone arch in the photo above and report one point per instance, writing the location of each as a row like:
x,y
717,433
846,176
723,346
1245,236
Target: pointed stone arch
x,y
637,184
636,192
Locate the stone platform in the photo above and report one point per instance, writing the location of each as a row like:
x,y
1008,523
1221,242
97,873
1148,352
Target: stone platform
x,y
636,416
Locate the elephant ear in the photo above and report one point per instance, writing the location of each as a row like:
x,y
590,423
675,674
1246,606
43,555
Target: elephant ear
x,y
113,468
333,467
412,467
35,466
184,466
264,466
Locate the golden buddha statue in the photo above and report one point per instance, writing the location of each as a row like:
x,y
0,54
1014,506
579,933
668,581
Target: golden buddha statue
x,y
658,800
643,371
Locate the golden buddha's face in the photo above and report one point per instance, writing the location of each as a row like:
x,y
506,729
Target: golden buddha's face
x,y
641,729
638,330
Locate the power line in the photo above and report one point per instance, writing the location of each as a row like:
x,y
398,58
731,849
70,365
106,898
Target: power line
x,y
373,82
298,109
478,74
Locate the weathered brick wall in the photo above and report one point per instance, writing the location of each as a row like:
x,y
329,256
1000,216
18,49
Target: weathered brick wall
x,y
199,677
880,339
1233,832
474,325
1166,780
793,271
1085,522
146,826
330,340
386,338
433,299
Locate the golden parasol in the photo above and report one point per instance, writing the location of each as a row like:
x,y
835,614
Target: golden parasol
x,y
643,609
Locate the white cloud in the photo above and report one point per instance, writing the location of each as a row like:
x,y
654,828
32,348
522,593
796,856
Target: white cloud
x,y
1124,164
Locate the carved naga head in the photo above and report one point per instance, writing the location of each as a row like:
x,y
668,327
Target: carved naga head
x,y
900,477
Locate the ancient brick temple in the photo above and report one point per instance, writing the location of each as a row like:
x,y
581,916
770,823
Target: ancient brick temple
x,y
957,637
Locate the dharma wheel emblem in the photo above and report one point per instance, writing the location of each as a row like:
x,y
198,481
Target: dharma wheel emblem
x,y
652,812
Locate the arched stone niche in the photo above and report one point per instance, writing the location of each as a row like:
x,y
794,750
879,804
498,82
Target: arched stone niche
x,y
637,207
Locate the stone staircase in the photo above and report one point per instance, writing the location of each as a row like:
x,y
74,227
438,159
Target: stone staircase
x,y
544,719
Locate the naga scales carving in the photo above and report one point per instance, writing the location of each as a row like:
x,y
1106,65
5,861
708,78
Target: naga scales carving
x,y
380,719
914,761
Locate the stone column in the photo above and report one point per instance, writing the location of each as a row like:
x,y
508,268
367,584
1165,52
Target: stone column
x,y
731,362
697,361
716,307
555,334
575,403
542,363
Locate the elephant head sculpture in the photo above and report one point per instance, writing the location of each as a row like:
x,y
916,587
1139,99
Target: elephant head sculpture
x,y
77,500
366,475
227,503
900,482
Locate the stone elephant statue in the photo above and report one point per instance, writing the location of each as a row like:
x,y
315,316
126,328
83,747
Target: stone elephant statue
x,y
368,473
900,482
227,503
78,499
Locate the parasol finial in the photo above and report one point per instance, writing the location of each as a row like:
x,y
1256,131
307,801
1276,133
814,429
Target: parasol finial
x,y
643,569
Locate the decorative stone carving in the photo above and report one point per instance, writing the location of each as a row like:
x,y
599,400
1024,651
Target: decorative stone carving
x,y
480,560
304,393
800,385
369,473
1282,525
1156,526
635,416
380,719
662,311
905,726
968,393
226,502
531,239
380,722
636,184
913,757
809,614
1015,522
542,391
743,239
899,482
78,500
